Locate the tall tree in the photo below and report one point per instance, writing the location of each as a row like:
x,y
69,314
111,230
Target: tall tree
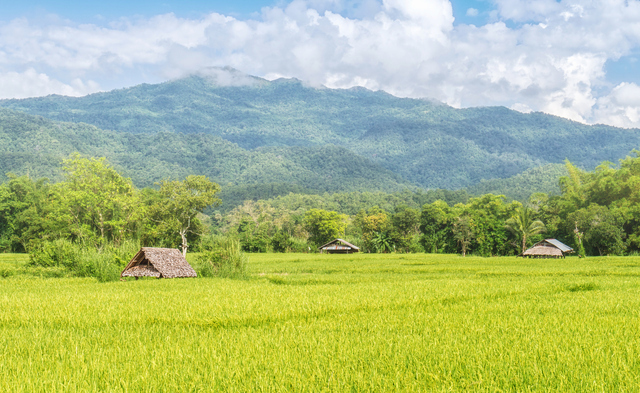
x,y
323,225
435,225
24,205
98,203
182,201
524,225
372,224
463,233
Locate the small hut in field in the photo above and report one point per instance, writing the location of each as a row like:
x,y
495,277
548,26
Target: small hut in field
x,y
158,262
338,246
548,248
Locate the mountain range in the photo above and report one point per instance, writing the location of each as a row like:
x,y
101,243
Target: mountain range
x,y
246,130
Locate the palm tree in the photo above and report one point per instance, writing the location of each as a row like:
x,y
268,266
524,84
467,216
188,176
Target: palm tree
x,y
523,225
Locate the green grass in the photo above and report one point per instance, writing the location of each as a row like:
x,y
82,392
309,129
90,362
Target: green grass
x,y
311,323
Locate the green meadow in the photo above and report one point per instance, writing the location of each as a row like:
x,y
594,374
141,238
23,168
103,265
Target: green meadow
x,y
313,323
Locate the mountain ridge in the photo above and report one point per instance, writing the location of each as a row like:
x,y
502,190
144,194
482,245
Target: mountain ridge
x,y
429,144
36,145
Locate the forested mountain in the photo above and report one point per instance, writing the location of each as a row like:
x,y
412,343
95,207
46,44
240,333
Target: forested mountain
x,y
519,187
429,144
34,145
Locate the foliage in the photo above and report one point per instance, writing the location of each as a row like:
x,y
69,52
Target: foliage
x,y
381,242
598,210
597,213
281,241
436,222
225,260
96,203
520,187
24,206
463,233
373,226
603,234
182,201
324,226
104,264
524,225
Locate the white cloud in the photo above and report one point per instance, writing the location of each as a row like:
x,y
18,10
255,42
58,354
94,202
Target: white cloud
x,y
552,60
621,107
472,12
33,84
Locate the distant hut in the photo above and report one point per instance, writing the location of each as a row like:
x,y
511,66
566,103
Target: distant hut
x,y
158,262
338,246
548,248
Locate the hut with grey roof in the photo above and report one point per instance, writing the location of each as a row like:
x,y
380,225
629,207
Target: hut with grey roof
x,y
338,246
548,248
158,262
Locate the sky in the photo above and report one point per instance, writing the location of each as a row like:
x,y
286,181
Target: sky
x,y
572,58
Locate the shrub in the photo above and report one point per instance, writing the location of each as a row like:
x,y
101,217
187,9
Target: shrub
x,y
226,260
104,264
281,241
300,245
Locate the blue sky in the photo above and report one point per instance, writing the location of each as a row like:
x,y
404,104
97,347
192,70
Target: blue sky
x,y
573,58
99,12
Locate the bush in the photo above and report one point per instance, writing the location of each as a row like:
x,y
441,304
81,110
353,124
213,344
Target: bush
x,y
300,245
254,243
281,241
104,264
226,260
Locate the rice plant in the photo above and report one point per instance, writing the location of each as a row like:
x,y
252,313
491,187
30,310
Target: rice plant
x,y
310,323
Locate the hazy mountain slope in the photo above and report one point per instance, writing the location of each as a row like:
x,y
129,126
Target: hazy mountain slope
x,y
36,145
428,143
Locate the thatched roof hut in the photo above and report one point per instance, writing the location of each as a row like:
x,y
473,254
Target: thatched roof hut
x,y
548,248
338,246
158,262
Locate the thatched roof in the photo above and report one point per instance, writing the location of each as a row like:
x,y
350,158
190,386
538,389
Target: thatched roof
x,y
550,248
339,245
158,262
542,251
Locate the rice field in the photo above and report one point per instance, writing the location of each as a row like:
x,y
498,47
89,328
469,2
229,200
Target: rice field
x,y
314,323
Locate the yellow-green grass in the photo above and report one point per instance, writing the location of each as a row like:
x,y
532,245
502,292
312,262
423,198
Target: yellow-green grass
x,y
11,264
315,323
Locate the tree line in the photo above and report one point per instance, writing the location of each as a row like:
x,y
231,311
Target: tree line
x,y
95,206
597,213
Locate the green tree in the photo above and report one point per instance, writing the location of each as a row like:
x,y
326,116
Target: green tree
x,y
488,214
524,225
324,226
182,201
24,207
371,224
463,233
603,234
97,203
281,241
405,223
435,226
